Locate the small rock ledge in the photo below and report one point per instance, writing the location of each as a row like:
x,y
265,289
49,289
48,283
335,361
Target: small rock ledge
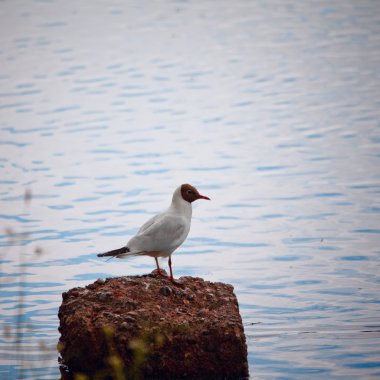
x,y
144,327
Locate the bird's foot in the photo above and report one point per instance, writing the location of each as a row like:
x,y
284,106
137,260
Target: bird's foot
x,y
160,272
175,282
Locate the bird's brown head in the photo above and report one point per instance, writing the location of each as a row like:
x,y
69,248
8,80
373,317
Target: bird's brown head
x,y
190,193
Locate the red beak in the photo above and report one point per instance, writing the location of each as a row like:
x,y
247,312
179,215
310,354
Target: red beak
x,y
203,197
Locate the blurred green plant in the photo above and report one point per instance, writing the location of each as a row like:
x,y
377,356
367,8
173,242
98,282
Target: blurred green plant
x,y
15,333
116,369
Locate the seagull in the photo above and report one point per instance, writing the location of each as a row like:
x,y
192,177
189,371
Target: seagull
x,y
161,235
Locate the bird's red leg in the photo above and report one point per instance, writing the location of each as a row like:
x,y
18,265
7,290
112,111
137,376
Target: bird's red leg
x,y
159,269
170,267
171,278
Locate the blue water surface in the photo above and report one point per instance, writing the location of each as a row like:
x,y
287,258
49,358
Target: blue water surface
x,y
271,108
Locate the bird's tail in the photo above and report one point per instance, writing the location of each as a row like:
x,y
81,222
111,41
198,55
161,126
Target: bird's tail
x,y
115,252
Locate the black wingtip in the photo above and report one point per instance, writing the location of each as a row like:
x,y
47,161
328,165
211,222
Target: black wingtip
x,y
115,252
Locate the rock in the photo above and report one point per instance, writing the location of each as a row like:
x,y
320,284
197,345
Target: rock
x,y
144,327
166,291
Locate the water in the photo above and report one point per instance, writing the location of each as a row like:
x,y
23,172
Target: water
x,y
270,108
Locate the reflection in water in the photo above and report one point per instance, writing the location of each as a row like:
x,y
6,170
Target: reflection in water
x,y
271,108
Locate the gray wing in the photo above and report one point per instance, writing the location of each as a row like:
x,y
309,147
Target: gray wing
x,y
163,233
147,224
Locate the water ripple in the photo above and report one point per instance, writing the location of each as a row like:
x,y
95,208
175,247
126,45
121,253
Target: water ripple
x,y
257,109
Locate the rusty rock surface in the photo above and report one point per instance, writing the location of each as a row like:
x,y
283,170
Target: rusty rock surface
x,y
144,327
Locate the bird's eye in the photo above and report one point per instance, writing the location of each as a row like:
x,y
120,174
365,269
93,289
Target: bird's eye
x,y
190,192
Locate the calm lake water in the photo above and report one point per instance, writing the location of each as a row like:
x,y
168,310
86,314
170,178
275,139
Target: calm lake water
x,y
271,108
